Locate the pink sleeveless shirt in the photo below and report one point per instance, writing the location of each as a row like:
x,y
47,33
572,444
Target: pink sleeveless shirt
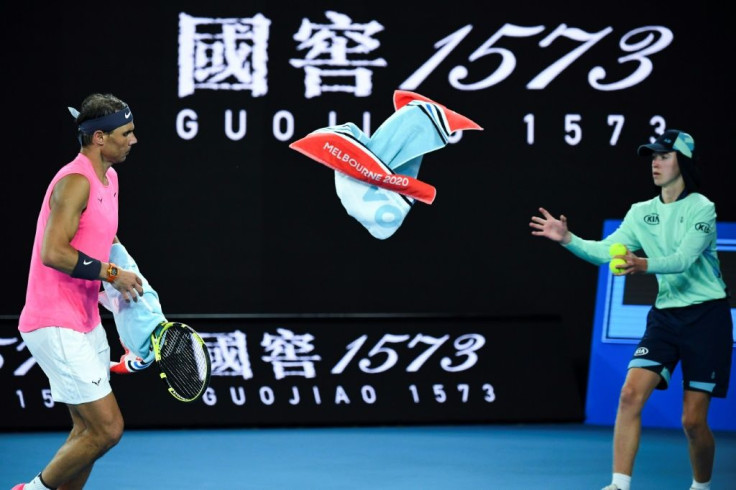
x,y
54,298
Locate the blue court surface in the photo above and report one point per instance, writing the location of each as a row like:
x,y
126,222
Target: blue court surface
x,y
526,456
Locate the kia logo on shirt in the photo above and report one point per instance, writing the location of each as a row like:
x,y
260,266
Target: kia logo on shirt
x,y
704,227
651,219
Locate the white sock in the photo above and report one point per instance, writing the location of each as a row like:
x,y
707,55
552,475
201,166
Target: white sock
x,y
700,486
36,484
623,482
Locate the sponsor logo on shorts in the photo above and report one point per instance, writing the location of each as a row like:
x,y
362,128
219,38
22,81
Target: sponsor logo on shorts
x,y
641,351
97,382
651,219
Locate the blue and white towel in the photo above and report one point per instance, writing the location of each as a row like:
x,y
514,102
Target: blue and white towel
x,y
400,143
418,126
134,320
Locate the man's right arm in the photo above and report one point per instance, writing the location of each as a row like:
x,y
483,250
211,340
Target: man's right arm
x,y
68,200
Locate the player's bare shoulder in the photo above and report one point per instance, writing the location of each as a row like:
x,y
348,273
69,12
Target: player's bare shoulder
x,y
70,189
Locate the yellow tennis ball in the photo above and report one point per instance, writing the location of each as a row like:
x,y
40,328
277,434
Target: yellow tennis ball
x,y
617,249
615,265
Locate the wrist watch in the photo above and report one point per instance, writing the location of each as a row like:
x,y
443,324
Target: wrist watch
x,y
112,272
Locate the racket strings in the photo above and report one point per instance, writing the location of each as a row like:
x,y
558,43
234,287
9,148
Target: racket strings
x,y
185,362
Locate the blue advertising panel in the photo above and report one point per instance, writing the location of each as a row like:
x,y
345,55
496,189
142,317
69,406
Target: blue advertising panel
x,y
622,304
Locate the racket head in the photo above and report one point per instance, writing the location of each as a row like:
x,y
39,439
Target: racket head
x,y
183,360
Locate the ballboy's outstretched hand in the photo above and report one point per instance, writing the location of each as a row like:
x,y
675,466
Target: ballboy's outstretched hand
x,y
550,227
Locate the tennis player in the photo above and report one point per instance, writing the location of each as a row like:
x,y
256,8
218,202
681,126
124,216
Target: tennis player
x,y
690,322
60,322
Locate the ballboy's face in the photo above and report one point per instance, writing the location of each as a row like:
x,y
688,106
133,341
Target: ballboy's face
x,y
665,169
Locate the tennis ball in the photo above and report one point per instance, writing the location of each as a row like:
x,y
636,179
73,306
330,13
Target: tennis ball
x,y
617,249
615,264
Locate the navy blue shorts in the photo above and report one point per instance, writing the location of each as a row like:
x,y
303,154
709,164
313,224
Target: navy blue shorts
x,y
699,336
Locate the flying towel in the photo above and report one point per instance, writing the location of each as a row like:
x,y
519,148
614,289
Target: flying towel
x,y
134,320
376,177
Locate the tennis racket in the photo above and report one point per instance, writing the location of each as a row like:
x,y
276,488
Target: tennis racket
x,y
183,360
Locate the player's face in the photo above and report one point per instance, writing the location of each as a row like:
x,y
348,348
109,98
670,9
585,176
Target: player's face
x,y
665,169
118,143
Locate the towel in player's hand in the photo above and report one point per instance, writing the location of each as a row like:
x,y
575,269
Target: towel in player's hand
x,y
134,320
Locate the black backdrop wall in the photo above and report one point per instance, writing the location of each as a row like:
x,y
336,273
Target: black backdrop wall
x,y
241,225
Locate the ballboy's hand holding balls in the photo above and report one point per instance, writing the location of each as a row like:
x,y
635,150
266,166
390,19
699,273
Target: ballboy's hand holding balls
x,y
616,263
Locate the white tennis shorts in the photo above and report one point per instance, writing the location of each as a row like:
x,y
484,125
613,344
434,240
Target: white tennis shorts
x,y
76,364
